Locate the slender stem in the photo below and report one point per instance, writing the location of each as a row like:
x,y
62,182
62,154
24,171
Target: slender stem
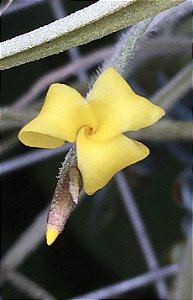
x,y
30,158
175,89
15,118
124,50
158,48
130,284
5,6
183,288
20,5
140,231
27,243
27,286
61,73
163,131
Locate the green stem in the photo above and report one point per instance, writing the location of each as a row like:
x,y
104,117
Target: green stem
x,y
124,50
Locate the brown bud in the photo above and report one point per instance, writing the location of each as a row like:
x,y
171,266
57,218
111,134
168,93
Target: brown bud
x,y
66,196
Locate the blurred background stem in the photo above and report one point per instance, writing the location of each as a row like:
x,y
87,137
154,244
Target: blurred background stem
x,y
183,288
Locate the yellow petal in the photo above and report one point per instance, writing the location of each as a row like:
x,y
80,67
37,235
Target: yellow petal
x,y
64,112
117,108
99,161
51,235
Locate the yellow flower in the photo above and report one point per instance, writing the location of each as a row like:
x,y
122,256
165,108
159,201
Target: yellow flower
x,y
97,126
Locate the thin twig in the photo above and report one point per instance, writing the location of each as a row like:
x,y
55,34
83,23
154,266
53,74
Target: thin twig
x,y
176,88
159,47
32,157
140,230
183,288
129,284
27,286
61,73
167,130
28,241
15,118
163,45
20,5
5,6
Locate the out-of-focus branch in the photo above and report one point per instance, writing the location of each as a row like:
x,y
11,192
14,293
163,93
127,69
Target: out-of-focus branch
x,y
159,47
183,286
32,157
141,233
130,284
27,286
164,45
4,6
29,240
21,5
176,88
27,243
61,73
15,118
168,130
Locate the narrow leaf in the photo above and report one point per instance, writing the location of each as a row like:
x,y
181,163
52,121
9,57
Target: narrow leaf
x,y
81,27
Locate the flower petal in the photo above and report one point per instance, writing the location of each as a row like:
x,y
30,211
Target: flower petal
x,y
117,108
99,161
64,112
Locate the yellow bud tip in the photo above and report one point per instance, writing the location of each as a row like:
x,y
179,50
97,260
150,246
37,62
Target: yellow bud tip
x,y
51,235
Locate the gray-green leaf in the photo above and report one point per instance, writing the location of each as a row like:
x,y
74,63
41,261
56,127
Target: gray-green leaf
x,y
81,27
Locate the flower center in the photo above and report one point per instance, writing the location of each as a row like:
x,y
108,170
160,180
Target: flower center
x,y
88,130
